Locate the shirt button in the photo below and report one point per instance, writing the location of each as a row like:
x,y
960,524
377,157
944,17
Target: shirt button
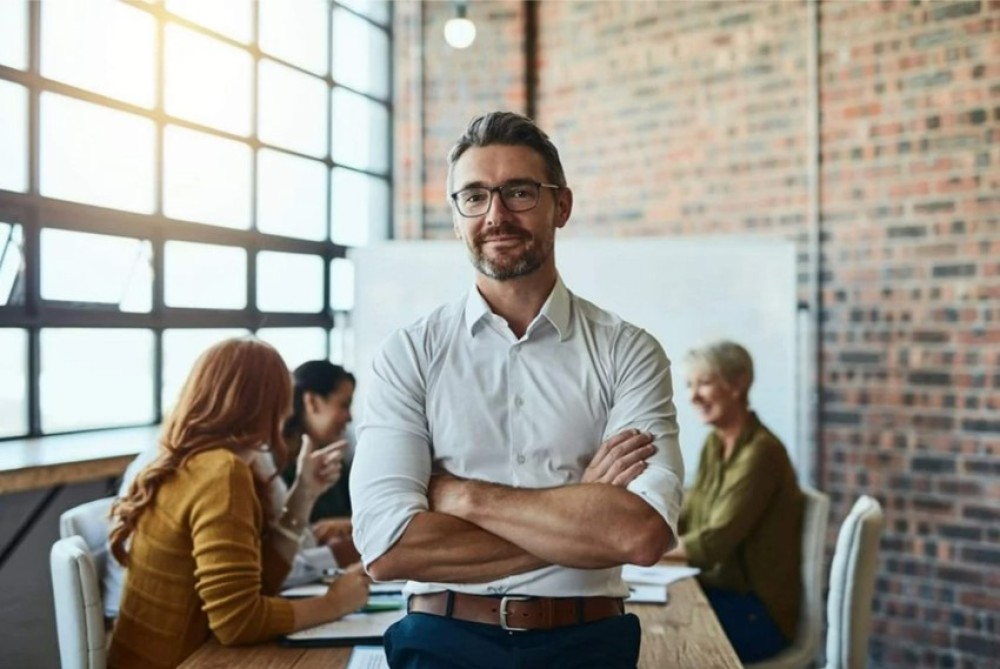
x,y
518,401
520,459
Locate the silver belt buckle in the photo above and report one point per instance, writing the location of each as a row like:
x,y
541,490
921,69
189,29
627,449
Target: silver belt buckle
x,y
504,612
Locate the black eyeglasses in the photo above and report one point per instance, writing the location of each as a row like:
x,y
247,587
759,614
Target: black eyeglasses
x,y
516,196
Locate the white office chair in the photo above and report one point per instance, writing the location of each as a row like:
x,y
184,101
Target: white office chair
x,y
852,584
79,611
805,647
78,561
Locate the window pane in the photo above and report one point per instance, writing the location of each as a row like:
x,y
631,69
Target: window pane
x,y
291,195
360,54
360,132
207,81
295,32
232,18
13,382
292,109
290,282
377,10
13,136
360,208
95,378
181,349
204,275
342,340
206,178
96,155
103,46
341,284
100,269
296,345
11,264
14,34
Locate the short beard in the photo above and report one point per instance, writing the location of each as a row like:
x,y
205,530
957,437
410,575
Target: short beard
x,y
529,261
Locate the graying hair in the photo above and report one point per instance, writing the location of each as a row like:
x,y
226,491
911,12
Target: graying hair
x,y
509,129
726,358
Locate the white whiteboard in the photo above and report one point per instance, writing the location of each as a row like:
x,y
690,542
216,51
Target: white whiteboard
x,y
685,292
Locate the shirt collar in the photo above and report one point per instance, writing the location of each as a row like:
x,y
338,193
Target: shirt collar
x,y
556,309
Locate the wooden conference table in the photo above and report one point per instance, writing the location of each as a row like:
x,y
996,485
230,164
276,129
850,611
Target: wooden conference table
x,y
684,634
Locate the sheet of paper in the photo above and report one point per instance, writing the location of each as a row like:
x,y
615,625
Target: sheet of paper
x,y
316,589
647,594
353,626
388,587
368,657
658,575
307,590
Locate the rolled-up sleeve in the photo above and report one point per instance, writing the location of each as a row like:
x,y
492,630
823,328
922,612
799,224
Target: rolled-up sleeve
x,y
392,463
643,400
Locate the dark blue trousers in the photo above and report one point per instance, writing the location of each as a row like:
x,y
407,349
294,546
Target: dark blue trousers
x,y
747,623
424,641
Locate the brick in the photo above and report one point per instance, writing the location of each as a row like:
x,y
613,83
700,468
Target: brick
x,y
982,555
933,464
987,647
954,10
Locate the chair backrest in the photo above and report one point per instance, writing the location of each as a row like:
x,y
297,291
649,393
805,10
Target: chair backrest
x,y
79,613
852,584
805,647
89,521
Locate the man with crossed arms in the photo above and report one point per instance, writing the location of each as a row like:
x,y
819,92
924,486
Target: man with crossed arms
x,y
480,473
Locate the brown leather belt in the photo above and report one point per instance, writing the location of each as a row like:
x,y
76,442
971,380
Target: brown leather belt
x,y
516,613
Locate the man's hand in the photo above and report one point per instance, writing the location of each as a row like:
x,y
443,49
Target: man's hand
x,y
620,459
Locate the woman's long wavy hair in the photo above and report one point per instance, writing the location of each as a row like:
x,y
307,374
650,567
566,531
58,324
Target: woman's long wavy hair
x,y
236,397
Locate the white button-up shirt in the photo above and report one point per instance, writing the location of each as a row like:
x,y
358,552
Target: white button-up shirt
x,y
458,391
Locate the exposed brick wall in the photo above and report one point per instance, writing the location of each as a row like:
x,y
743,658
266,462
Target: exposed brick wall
x,y
491,77
679,118
911,216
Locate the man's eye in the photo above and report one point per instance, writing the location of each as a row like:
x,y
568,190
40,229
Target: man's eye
x,y
473,197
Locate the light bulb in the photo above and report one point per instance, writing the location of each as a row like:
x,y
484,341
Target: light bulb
x,y
459,32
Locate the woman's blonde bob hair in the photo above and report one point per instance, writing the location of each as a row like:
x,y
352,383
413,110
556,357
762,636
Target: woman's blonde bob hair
x,y
236,397
727,360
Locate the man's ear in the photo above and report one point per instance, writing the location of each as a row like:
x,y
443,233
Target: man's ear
x,y
564,206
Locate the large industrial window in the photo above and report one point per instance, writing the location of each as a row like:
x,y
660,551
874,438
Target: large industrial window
x,y
172,173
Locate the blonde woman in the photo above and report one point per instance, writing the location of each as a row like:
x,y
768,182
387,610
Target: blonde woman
x,y
193,529
741,522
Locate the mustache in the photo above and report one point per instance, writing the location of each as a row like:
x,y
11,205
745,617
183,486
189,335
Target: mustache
x,y
502,230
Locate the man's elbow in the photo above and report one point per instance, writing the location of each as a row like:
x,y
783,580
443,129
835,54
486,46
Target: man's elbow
x,y
385,568
647,545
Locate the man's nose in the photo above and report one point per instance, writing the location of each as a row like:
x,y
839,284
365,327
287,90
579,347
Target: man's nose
x,y
497,209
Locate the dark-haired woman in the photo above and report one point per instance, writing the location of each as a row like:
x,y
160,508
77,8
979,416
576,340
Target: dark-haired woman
x,y
321,410
195,528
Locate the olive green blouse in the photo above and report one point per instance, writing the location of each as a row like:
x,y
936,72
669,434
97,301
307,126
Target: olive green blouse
x,y
741,523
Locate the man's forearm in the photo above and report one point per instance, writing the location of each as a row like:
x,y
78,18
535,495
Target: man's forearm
x,y
441,548
586,526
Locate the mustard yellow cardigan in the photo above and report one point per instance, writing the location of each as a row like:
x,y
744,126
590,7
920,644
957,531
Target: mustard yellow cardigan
x,y
197,566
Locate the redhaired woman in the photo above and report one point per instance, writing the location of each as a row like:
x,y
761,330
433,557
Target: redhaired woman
x,y
202,558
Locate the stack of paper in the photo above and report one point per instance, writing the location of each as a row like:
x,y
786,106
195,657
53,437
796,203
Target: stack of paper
x,y
649,584
368,657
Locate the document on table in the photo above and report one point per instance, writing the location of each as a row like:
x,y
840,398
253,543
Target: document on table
x,y
658,575
368,657
647,594
316,589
